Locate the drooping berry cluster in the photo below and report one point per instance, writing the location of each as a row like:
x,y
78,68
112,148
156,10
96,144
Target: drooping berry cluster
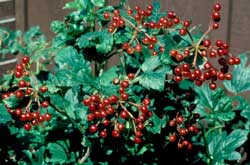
x,y
113,113
207,52
28,109
183,129
142,25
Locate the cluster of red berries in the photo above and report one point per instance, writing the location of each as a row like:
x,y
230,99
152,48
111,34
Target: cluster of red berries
x,y
216,15
207,51
21,69
140,16
184,129
22,91
113,113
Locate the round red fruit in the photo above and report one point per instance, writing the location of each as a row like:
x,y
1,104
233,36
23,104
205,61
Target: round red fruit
x,y
19,94
18,74
124,96
131,76
22,83
106,15
179,119
26,59
217,7
124,114
91,117
138,133
45,104
172,138
115,133
43,89
137,140
124,84
103,134
47,116
27,127
92,128
146,101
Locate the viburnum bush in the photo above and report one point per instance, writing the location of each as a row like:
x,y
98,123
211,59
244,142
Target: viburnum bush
x,y
174,97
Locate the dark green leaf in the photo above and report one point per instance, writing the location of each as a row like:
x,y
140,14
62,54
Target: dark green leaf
x,y
5,116
241,77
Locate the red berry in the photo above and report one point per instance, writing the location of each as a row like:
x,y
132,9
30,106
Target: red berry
x,y
144,109
86,101
115,133
138,48
95,98
216,25
221,76
105,122
172,138
19,94
110,110
35,115
123,114
93,128
103,134
120,126
162,49
171,14
237,61
45,104
40,119
26,59
178,71
173,53
47,116
28,116
18,74
150,7
183,32
177,78
182,131
106,15
130,12
27,127
23,117
212,54
116,12
91,117
138,133
140,126
146,101
124,96
113,99
217,7
21,83
186,23
179,57
172,123
131,76
43,89
216,16
18,112
219,43
153,39
130,50
179,119
207,43
207,65
137,140
228,76
124,84
212,86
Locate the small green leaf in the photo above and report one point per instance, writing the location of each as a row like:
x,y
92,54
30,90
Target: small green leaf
x,y
12,101
158,124
150,64
5,116
98,3
241,77
58,153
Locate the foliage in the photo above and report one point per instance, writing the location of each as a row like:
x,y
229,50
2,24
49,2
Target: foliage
x,y
63,105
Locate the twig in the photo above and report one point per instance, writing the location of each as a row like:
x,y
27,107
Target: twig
x,y
85,156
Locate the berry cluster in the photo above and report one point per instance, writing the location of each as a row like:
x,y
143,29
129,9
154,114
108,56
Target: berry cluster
x,y
116,112
143,25
207,52
184,128
28,111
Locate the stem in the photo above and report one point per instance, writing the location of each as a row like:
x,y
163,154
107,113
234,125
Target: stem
x,y
125,109
134,104
198,44
85,156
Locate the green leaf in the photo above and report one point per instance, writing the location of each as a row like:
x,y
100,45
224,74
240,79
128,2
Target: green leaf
x,y
222,146
58,153
107,77
154,79
5,116
158,124
241,77
150,64
12,101
99,3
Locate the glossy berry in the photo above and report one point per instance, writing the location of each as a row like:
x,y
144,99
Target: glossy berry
x,y
22,83
216,16
146,101
179,119
124,84
115,133
212,86
92,128
138,133
124,96
91,117
137,140
27,127
47,116
25,59
123,114
19,94
106,15
103,134
43,89
18,74
217,7
172,138
45,104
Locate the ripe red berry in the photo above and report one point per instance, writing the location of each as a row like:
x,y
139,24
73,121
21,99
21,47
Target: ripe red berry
x,y
186,23
146,101
172,123
137,140
212,86
221,76
173,53
144,109
116,12
106,15
138,133
19,94
162,49
153,39
140,126
182,131
86,101
21,83
217,7
95,98
115,133
131,76
207,43
228,76
40,119
150,7
179,119
113,99
43,89
92,128
177,79
103,134
18,74
219,43
105,122
124,96
27,127
237,61
91,117
216,16
171,14
25,59
124,84
45,104
138,48
216,25
47,116
120,126
130,12
179,57
172,138
183,32
123,114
